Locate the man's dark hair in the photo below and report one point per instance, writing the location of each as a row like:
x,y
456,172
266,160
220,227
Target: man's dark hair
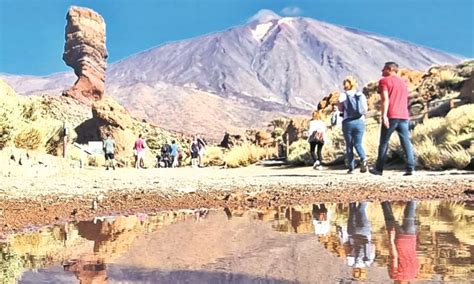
x,y
139,136
392,66
173,142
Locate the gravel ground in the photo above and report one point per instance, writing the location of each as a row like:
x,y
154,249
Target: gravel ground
x,y
35,201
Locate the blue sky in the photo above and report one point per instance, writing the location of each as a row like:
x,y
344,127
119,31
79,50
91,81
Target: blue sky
x,y
32,32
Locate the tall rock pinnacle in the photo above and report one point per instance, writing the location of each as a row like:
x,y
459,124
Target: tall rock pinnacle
x,y
85,51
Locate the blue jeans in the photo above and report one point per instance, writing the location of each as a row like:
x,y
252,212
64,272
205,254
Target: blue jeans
x,y
402,128
353,130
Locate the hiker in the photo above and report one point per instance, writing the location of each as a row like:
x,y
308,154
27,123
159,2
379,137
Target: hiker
x,y
109,150
321,219
395,117
353,104
361,250
317,133
202,150
164,160
194,149
165,155
336,116
403,264
139,151
174,154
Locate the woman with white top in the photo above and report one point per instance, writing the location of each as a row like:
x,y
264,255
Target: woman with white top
x,y
317,135
353,104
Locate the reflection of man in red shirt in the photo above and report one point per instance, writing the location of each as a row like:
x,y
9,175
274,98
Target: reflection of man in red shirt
x,y
403,263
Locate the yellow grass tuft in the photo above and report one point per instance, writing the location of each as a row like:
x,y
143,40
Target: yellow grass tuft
x,y
448,78
214,156
454,156
29,138
459,124
244,155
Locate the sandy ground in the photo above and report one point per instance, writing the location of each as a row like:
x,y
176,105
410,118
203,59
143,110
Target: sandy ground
x,y
84,193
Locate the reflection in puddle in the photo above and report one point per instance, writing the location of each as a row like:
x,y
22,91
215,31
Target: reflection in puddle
x,y
378,242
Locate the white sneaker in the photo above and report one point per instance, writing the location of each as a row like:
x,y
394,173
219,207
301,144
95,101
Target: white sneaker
x,y
316,164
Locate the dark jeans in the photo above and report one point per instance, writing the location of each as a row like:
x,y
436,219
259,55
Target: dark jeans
x,y
353,130
402,128
312,146
408,226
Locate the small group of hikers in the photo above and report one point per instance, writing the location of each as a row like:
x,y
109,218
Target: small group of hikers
x,y
170,153
352,105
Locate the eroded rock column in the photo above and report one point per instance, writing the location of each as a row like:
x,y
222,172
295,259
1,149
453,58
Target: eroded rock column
x,y
85,51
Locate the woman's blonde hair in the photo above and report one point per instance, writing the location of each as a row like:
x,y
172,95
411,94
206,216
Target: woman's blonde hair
x,y
352,81
316,115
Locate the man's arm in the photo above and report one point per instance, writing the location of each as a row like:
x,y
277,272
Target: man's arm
x,y
384,98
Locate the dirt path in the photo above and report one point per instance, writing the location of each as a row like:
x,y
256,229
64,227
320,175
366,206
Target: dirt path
x,y
86,193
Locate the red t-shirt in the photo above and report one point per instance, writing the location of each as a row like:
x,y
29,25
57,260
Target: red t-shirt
x,y
139,145
408,264
397,96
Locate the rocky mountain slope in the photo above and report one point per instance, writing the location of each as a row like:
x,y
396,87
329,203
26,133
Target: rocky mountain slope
x,y
246,75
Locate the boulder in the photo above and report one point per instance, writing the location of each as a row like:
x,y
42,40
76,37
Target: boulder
x,y
295,130
467,90
86,53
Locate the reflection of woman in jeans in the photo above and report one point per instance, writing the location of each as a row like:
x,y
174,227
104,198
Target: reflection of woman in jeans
x,y
361,250
403,263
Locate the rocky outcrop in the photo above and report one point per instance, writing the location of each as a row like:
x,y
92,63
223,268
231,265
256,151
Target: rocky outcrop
x,y
111,117
467,90
295,130
85,51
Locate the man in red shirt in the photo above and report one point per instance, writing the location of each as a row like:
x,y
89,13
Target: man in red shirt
x,y
395,117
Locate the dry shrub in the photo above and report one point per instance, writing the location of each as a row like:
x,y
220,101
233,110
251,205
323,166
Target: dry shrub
x,y
29,138
454,156
371,141
6,130
334,146
437,157
244,155
31,110
428,155
214,156
449,79
54,141
459,124
299,153
434,127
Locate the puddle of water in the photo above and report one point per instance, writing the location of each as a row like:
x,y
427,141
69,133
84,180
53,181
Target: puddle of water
x,y
316,243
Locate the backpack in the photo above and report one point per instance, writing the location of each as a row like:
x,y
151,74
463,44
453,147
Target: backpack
x,y
166,149
316,136
354,106
194,147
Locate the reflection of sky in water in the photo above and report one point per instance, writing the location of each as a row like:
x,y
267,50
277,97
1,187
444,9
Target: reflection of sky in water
x,y
231,245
